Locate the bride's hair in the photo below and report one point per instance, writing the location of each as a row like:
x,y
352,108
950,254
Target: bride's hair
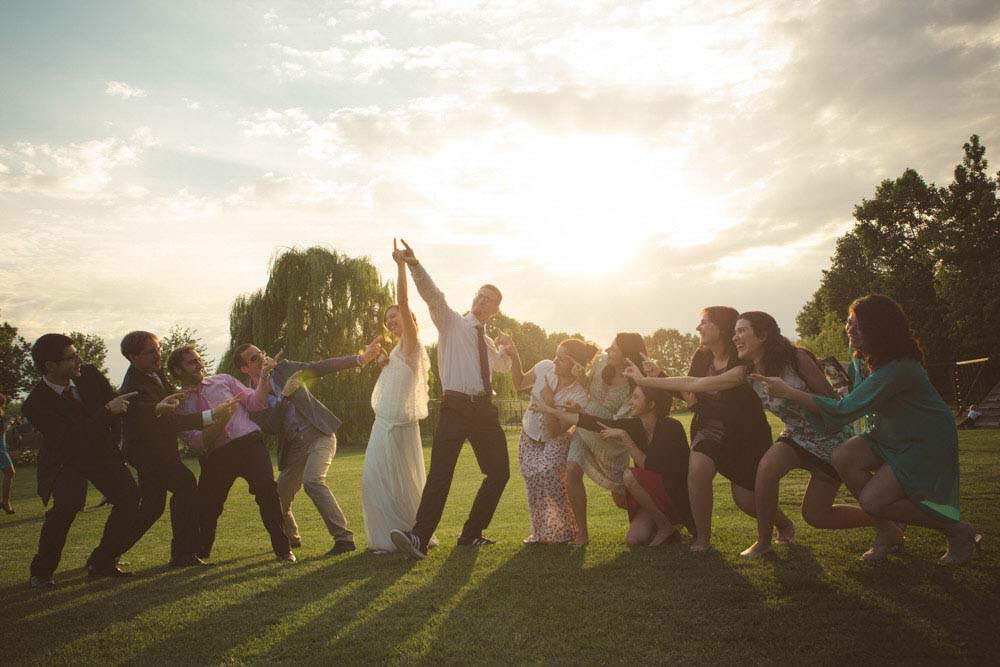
x,y
385,315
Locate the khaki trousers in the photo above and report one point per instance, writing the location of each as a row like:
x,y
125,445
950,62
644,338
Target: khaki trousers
x,y
307,464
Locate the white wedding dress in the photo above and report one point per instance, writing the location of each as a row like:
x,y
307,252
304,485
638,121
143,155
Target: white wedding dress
x,y
394,474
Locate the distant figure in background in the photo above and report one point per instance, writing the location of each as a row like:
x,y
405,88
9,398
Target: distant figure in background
x,y
394,474
307,435
76,411
970,419
544,443
604,461
6,464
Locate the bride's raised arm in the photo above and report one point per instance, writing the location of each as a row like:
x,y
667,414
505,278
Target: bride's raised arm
x,y
408,340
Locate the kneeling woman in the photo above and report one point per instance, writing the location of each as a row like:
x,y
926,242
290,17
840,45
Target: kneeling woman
x,y
656,493
911,443
801,445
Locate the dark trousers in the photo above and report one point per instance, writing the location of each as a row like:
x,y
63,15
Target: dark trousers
x,y
245,457
69,493
478,422
155,480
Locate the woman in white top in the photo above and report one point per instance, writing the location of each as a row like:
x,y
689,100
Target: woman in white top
x,y
394,473
545,441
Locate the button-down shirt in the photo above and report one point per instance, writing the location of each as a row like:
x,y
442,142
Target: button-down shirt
x,y
458,343
60,388
216,390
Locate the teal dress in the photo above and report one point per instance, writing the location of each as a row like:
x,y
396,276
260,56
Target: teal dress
x,y
908,426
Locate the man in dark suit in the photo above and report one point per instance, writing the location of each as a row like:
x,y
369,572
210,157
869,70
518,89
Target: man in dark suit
x,y
151,447
76,410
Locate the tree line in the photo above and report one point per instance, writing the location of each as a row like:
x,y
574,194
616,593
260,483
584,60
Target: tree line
x,y
935,250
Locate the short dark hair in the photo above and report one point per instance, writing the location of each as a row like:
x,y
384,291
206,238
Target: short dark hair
x,y
134,341
177,356
238,355
49,347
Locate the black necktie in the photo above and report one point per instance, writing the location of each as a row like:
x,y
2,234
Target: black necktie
x,y
484,360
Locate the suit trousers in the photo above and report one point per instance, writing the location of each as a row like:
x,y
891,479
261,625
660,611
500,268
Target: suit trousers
x,y
155,480
479,422
69,494
245,457
306,465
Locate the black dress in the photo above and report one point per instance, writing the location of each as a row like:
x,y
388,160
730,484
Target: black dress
x,y
746,433
666,452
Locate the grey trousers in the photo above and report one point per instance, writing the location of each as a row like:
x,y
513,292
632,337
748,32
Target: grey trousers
x,y
306,465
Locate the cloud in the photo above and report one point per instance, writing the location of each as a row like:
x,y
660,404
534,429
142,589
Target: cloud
x,y
123,90
71,171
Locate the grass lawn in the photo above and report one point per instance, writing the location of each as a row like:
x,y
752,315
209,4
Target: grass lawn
x,y
813,602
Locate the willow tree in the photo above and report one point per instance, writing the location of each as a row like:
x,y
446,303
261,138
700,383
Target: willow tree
x,y
318,303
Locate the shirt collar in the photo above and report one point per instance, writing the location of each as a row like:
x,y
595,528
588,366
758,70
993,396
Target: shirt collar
x,y
59,389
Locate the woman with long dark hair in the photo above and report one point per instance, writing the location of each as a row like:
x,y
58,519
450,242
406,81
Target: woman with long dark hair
x,y
729,432
802,444
604,461
904,467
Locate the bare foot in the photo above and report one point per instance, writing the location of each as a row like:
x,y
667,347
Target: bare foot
x,y
756,550
786,535
886,542
663,535
700,547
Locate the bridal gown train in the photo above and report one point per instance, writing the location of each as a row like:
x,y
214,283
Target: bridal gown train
x,y
394,473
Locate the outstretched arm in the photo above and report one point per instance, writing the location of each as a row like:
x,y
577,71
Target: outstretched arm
x,y
441,313
734,377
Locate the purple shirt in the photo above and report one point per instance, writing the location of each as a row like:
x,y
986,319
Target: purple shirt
x,y
213,391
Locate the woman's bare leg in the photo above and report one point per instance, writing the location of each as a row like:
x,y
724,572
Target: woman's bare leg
x,y
701,472
775,464
578,500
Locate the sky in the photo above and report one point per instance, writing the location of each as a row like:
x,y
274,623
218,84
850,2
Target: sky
x,y
610,166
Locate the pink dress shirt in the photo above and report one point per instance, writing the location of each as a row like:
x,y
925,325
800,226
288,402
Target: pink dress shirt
x,y
215,390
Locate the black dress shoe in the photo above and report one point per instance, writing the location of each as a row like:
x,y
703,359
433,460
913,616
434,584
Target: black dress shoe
x,y
112,571
188,560
341,547
286,558
41,583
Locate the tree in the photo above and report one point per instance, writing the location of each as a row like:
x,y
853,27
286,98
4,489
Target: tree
x,y
671,350
177,336
16,367
831,341
92,350
317,304
890,250
968,252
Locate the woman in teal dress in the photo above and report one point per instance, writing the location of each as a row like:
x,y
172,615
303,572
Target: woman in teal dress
x,y
904,467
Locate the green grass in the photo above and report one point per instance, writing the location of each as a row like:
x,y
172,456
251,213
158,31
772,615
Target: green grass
x,y
509,603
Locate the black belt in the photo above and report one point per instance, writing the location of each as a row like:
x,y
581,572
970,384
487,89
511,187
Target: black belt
x,y
471,398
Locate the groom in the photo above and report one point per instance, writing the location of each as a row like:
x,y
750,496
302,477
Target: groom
x,y
467,358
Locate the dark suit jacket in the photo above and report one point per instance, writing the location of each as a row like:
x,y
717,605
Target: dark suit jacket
x,y
74,434
152,440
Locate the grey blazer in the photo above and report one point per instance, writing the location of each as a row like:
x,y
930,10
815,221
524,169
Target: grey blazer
x,y
309,408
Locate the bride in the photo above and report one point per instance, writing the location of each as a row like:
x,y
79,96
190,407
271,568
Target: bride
x,y
394,474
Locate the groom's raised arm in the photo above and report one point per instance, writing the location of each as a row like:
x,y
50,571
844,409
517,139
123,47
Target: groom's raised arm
x,y
441,312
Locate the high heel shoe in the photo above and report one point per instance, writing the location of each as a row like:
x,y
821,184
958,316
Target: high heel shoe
x,y
974,547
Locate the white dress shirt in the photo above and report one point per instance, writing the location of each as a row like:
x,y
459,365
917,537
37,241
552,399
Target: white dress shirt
x,y
458,343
